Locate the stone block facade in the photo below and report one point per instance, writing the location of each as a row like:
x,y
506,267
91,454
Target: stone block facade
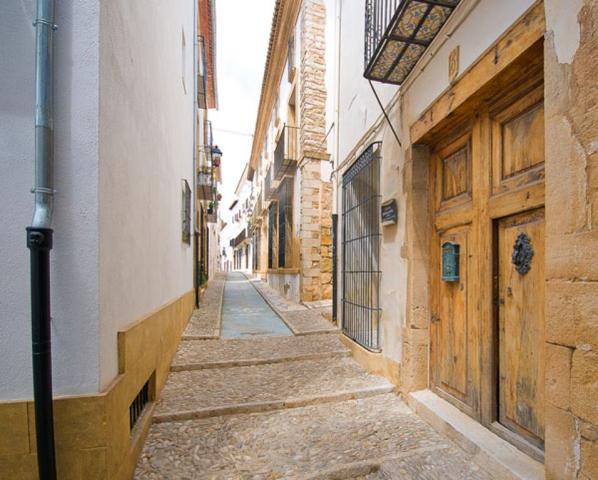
x,y
571,99
316,192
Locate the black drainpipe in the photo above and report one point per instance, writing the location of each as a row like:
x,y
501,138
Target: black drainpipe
x,y
39,242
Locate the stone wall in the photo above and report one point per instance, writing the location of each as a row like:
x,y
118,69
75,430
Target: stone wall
x,y
315,235
571,96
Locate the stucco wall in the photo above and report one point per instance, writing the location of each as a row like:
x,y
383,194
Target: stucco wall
x,y
146,149
74,257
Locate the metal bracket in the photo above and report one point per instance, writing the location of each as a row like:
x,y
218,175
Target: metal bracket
x,y
53,26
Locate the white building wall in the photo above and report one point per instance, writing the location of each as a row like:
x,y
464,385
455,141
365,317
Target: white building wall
x,y
146,150
74,258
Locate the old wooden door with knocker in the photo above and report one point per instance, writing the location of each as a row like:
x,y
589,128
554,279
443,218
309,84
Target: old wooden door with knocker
x,y
487,264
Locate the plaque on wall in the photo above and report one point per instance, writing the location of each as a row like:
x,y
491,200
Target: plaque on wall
x,y
388,212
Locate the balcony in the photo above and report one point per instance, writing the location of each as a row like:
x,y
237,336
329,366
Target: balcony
x,y
239,239
256,213
397,33
212,212
270,185
285,154
206,188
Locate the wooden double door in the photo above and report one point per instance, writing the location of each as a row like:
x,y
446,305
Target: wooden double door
x,y
487,264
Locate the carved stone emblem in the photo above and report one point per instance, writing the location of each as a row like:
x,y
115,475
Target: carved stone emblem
x,y
522,254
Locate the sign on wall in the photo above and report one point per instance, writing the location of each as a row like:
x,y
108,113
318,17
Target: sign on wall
x,y
389,212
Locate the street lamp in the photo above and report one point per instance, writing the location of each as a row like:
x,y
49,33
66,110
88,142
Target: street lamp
x,y
216,156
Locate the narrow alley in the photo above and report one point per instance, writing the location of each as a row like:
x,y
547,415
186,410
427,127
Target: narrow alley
x,y
247,399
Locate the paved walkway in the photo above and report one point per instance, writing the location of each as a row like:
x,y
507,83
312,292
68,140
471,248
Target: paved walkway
x,y
287,407
245,313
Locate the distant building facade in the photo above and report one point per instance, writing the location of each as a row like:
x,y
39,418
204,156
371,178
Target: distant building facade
x,y
289,165
236,238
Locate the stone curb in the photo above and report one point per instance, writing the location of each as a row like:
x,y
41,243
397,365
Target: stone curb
x,y
217,331
199,337
259,361
256,407
281,314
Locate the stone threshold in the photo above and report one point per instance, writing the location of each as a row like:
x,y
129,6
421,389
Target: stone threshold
x,y
214,336
267,406
492,453
259,361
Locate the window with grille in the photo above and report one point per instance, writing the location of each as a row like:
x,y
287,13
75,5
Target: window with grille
x,y
285,223
361,249
186,212
272,235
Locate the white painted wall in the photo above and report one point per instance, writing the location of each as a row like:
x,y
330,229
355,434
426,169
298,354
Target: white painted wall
x,y
146,149
357,105
74,257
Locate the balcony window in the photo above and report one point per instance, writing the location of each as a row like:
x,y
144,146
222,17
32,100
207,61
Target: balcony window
x,y
397,33
285,154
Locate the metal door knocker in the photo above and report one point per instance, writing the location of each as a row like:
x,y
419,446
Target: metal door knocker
x,y
522,254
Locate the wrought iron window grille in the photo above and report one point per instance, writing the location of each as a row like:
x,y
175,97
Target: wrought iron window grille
x,y
361,237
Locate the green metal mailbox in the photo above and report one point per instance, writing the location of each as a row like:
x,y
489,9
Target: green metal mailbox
x,y
450,262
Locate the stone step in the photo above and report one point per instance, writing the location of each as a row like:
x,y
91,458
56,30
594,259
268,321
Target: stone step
x,y
350,439
203,354
225,391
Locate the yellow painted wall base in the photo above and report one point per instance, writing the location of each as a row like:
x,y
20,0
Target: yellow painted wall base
x,y
375,363
93,439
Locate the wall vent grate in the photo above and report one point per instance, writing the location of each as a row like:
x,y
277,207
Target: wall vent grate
x,y
138,404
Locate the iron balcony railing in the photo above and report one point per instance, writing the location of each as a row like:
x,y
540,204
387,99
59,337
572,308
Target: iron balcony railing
x,y
240,238
256,212
285,154
202,76
205,184
270,185
397,33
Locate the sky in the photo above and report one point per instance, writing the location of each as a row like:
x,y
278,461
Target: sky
x,y
242,33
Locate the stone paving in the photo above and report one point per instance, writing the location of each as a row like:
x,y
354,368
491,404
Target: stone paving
x,y
195,354
313,441
304,381
205,321
299,318
245,313
264,408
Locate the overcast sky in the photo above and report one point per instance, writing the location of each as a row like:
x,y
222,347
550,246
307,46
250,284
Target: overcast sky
x,y
242,32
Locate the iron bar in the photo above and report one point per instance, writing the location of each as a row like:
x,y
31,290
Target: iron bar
x,y
361,240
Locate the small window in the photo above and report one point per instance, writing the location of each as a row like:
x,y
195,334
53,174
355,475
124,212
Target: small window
x,y
183,60
291,59
186,213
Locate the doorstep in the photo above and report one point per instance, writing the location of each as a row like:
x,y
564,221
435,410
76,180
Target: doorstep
x,y
492,453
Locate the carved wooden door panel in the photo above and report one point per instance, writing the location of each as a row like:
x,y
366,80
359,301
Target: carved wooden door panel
x,y
455,348
521,324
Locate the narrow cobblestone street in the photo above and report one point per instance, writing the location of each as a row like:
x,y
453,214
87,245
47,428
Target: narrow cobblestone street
x,y
283,407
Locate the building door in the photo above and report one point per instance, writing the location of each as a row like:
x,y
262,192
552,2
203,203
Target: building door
x,y
487,271
361,249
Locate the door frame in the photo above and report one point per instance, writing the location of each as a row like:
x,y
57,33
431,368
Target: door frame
x,y
521,47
